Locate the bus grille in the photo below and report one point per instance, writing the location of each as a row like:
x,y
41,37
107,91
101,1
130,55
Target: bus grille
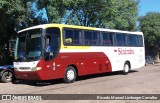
x,y
24,68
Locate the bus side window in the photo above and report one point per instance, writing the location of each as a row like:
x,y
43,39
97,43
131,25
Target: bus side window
x,y
48,48
95,39
72,37
106,39
140,40
136,41
130,40
88,37
77,37
124,39
112,38
52,43
68,36
119,41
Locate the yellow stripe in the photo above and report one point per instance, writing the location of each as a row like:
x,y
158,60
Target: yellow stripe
x,y
53,25
74,47
68,26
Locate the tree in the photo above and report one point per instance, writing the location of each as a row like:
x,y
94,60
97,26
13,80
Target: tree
x,y
9,15
123,14
85,12
114,14
150,26
15,15
55,9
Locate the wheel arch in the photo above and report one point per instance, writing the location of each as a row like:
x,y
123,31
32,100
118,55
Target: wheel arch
x,y
74,67
129,63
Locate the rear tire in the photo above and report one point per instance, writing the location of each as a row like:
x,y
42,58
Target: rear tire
x,y
126,68
7,76
70,75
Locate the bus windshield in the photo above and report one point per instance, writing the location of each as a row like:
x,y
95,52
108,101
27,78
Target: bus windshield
x,y
29,45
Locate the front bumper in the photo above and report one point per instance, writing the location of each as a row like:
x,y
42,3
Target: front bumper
x,y
34,75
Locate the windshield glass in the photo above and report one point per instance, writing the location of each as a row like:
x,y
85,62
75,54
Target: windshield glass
x,y
29,45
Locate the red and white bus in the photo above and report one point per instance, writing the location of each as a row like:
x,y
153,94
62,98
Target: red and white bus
x,y
53,51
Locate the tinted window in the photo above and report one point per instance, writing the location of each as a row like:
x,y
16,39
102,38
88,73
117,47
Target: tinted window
x,y
95,39
72,36
124,39
52,43
140,40
136,41
88,37
77,37
107,39
119,41
130,40
68,36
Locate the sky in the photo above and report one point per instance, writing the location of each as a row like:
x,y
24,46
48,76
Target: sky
x,y
149,6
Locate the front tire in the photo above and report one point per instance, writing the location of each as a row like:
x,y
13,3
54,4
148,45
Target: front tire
x,y
70,75
7,76
126,69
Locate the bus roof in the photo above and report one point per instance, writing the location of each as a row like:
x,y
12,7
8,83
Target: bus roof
x,y
43,26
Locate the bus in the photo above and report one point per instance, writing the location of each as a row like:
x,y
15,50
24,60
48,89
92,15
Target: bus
x,y
53,51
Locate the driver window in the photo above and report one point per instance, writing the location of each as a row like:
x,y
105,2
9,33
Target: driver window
x,y
52,43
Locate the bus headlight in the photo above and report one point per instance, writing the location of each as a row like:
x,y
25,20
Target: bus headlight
x,y
36,68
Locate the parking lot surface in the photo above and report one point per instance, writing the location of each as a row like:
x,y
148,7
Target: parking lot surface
x,y
145,80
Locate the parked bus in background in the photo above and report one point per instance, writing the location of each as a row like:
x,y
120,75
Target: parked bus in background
x,y
53,51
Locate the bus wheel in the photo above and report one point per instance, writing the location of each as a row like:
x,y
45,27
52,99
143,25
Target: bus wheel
x,y
70,75
7,77
126,68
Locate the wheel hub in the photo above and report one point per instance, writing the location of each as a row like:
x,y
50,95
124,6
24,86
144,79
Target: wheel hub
x,y
70,75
